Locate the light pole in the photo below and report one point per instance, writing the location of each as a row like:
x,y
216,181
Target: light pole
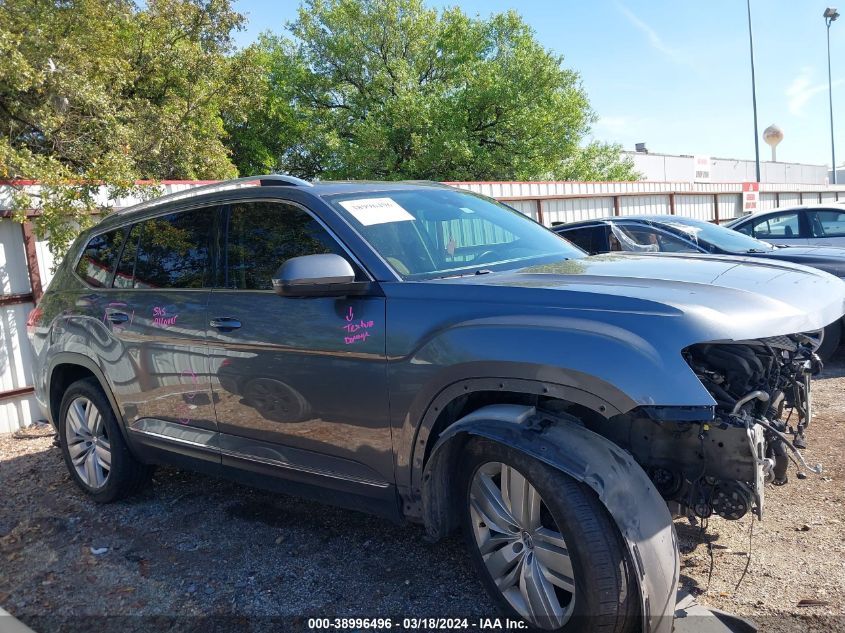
x,y
753,94
830,14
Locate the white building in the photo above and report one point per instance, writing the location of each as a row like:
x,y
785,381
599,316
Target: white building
x,y
672,168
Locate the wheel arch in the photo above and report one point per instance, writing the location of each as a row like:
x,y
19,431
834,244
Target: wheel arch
x,y
559,440
428,414
65,369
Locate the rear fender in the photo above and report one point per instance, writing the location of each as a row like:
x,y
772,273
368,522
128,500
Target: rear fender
x,y
72,358
624,489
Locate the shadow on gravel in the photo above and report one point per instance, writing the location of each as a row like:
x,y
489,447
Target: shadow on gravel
x,y
834,367
193,546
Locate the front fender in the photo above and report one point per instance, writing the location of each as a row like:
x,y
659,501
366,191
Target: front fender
x,y
631,499
628,367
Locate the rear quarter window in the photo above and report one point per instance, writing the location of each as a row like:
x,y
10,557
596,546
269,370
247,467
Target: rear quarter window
x,y
828,223
96,265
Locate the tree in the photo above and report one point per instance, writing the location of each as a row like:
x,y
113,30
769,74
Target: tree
x,y
101,92
390,89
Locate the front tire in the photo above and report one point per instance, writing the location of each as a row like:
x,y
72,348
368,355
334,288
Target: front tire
x,y
544,545
831,341
93,447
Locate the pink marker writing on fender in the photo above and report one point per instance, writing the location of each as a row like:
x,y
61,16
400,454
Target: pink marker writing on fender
x,y
358,330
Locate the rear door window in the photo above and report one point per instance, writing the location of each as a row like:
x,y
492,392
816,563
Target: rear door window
x,y
827,223
96,265
170,251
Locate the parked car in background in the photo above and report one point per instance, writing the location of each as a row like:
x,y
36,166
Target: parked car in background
x,y
675,234
430,355
822,224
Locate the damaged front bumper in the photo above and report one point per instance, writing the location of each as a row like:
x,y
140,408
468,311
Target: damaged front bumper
x,y
721,462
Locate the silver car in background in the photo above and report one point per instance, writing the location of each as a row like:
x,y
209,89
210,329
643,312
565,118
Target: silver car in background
x,y
818,224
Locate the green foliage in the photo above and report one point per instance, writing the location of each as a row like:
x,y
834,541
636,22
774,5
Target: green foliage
x,y
105,92
390,89
111,92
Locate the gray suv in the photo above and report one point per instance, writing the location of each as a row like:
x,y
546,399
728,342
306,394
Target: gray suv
x,y
430,355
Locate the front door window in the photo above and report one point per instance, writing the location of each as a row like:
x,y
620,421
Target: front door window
x,y
300,383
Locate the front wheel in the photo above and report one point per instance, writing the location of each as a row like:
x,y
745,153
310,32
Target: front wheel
x,y
544,545
831,341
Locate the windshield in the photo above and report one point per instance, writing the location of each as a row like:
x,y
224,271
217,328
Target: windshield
x,y
427,233
725,239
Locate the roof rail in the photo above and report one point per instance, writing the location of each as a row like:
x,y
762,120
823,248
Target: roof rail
x,y
277,180
436,183
268,180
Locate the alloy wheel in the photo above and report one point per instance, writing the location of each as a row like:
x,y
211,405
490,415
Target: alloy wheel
x,y
521,545
87,442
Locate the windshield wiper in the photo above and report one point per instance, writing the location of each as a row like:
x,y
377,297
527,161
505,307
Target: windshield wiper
x,y
756,250
480,271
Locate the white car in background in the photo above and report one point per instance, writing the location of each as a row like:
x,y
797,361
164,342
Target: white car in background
x,y
821,224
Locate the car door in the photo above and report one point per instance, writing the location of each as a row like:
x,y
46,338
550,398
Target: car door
x,y
827,227
300,384
785,227
157,312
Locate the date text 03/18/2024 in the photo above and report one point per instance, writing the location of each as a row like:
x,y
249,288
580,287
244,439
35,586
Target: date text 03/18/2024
x,y
413,624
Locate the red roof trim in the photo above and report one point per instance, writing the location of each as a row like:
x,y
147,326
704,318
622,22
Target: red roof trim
x,y
137,182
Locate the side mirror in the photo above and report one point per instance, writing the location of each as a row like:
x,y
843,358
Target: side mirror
x,y
322,275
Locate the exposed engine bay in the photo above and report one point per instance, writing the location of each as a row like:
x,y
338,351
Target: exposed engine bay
x,y
762,412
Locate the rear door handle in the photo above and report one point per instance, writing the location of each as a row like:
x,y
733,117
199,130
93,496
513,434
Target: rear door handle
x,y
225,324
117,317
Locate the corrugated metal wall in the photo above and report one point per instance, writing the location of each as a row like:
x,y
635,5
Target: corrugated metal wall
x,y
554,202
25,263
15,360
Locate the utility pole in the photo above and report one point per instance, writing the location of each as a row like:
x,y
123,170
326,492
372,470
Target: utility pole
x,y
830,15
754,94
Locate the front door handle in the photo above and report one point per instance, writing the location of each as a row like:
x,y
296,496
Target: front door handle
x,y
225,324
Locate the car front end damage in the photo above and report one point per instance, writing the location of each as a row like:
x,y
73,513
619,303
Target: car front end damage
x,y
721,463
702,363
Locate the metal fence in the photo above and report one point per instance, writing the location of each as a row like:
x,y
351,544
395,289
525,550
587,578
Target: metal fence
x,y
25,262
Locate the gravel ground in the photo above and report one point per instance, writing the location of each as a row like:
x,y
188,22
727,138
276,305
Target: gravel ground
x,y
192,547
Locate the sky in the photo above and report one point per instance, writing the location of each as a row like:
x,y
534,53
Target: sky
x,y
676,74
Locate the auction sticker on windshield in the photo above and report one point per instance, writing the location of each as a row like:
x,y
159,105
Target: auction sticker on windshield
x,y
369,211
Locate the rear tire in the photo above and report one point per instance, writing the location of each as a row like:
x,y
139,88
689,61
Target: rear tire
x,y
93,447
548,553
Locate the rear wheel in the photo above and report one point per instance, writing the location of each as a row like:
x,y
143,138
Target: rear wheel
x,y
544,545
92,445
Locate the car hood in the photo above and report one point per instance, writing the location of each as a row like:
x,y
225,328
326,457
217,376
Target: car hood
x,y
830,259
715,297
